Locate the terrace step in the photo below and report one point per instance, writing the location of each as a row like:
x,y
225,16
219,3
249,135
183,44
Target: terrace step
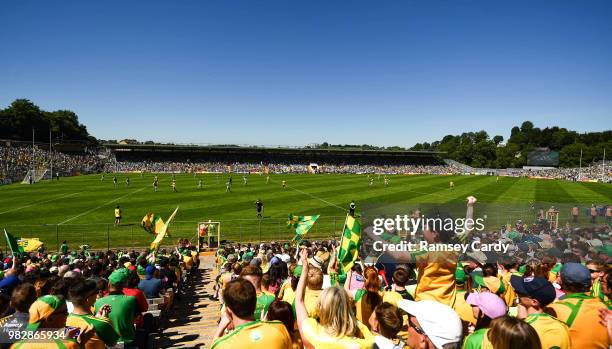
x,y
193,319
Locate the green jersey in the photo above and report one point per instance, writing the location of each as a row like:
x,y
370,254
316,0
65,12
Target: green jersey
x,y
123,311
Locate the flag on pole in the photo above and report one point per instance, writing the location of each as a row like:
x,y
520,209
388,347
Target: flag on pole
x,y
349,245
162,233
301,224
13,243
152,223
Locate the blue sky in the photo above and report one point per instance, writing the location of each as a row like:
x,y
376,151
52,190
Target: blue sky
x,y
298,72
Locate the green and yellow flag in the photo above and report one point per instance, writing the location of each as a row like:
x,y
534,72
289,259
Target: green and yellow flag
x,y
301,224
30,245
152,223
349,245
13,243
162,232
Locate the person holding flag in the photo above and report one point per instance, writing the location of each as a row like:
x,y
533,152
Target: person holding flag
x,y
436,270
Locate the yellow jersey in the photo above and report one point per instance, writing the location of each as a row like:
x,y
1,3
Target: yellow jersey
x,y
553,332
509,295
289,295
316,335
256,334
436,276
104,330
580,312
463,309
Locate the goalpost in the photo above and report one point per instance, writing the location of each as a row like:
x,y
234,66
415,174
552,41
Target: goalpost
x,y
34,176
209,235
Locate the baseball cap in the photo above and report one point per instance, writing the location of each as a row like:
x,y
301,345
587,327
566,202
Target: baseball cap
x,y
490,304
118,277
575,273
440,322
535,287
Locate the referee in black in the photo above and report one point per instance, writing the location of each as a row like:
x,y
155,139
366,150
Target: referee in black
x,y
352,209
259,206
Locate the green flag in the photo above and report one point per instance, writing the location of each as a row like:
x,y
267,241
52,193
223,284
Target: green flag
x,y
301,224
13,243
349,245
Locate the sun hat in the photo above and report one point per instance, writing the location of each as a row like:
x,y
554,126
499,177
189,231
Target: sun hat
x,y
489,303
440,322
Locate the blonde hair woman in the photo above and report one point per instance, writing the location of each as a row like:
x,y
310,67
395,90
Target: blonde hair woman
x,y
337,326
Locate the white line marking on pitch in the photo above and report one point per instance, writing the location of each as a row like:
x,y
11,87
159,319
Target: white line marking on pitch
x,y
41,202
313,196
95,208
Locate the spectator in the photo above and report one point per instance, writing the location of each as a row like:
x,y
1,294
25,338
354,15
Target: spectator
x,y
150,285
432,325
535,293
283,312
83,295
11,278
386,320
369,297
578,310
49,313
401,278
510,333
337,326
141,300
240,302
23,297
253,274
486,307
123,308
314,286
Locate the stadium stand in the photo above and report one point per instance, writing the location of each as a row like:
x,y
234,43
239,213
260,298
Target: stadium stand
x,y
17,160
551,288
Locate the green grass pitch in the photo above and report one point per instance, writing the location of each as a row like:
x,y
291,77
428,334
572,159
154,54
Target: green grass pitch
x,y
80,209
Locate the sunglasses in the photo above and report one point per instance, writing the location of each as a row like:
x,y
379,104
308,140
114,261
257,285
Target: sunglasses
x,y
415,327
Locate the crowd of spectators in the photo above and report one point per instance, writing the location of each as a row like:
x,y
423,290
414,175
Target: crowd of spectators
x,y
16,161
552,290
190,167
86,299
592,172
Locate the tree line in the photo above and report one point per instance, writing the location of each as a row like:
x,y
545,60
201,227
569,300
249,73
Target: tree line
x,y
478,149
19,119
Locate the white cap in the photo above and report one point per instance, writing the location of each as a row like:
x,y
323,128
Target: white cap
x,y
440,322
